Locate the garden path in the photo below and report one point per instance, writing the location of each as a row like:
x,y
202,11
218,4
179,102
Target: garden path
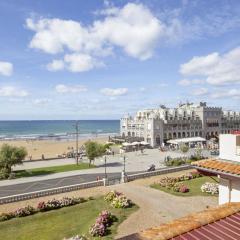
x,y
157,207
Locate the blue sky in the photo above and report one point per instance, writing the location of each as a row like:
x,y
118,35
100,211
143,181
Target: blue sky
x,y
101,59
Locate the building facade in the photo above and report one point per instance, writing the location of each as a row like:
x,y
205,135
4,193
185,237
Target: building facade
x,y
187,120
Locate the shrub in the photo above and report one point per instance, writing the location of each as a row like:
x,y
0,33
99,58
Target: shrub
x,y
41,207
120,202
6,216
25,211
117,199
97,230
183,188
212,188
104,220
111,195
168,182
180,187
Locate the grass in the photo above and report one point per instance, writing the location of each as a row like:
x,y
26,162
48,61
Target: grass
x,y
65,222
194,186
50,170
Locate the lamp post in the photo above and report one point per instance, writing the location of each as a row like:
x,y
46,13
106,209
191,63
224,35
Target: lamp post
x,y
77,132
105,166
124,163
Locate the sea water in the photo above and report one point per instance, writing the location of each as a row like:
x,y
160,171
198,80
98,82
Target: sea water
x,y
57,129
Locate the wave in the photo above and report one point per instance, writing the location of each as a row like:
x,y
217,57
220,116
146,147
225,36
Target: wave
x,y
55,136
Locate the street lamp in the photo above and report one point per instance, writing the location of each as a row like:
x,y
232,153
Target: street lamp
x,y
77,132
105,166
124,163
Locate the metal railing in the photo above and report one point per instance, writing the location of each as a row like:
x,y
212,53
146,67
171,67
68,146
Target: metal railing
x,y
158,172
115,180
47,192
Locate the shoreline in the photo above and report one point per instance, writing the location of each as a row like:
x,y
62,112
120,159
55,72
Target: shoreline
x,y
53,137
51,148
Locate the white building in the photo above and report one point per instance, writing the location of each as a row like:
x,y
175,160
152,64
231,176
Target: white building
x,y
187,120
227,168
230,146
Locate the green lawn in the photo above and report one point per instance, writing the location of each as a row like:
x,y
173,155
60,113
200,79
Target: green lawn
x,y
194,185
49,170
65,222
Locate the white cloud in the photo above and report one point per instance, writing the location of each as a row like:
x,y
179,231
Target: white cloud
x,y
10,91
80,62
231,93
142,89
113,92
6,68
61,88
200,92
162,85
133,28
41,101
55,65
217,69
188,82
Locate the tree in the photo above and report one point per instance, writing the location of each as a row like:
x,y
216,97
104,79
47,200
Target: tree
x,y
184,148
94,150
10,156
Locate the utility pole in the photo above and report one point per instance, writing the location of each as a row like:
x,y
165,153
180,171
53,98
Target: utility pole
x,y
77,132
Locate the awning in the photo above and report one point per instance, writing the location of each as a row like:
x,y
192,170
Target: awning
x,y
186,140
126,144
135,143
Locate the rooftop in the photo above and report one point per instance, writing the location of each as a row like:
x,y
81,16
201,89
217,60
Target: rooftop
x,y
220,223
218,167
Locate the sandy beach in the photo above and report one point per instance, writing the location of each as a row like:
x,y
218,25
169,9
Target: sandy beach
x,y
50,148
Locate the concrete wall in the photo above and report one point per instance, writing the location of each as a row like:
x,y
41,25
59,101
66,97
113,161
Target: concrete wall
x,y
224,191
229,190
228,147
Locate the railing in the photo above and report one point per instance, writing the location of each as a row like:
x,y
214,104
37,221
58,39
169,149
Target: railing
x,y
158,172
116,180
47,192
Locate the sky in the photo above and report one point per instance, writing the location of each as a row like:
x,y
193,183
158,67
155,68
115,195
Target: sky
x,y
103,59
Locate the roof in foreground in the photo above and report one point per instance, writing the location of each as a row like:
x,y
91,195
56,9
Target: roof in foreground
x,y
219,223
218,166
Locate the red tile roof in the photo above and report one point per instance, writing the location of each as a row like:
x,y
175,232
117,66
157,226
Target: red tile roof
x,y
220,223
218,166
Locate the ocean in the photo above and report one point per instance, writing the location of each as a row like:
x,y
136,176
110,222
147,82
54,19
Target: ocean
x,y
57,129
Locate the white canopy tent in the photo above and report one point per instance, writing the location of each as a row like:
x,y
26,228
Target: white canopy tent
x,y
186,140
135,143
144,143
126,144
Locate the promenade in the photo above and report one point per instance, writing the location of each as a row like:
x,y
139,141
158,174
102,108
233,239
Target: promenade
x,y
135,162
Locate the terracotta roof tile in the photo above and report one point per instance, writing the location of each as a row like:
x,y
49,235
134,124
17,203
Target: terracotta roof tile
x,y
219,165
222,222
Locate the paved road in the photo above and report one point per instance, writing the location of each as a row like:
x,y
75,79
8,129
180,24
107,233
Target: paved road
x,y
53,183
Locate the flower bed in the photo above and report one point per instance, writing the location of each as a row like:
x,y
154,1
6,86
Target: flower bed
x,y
41,207
212,188
103,221
175,184
117,200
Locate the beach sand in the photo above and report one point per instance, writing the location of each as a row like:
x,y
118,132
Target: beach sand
x,y
50,148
